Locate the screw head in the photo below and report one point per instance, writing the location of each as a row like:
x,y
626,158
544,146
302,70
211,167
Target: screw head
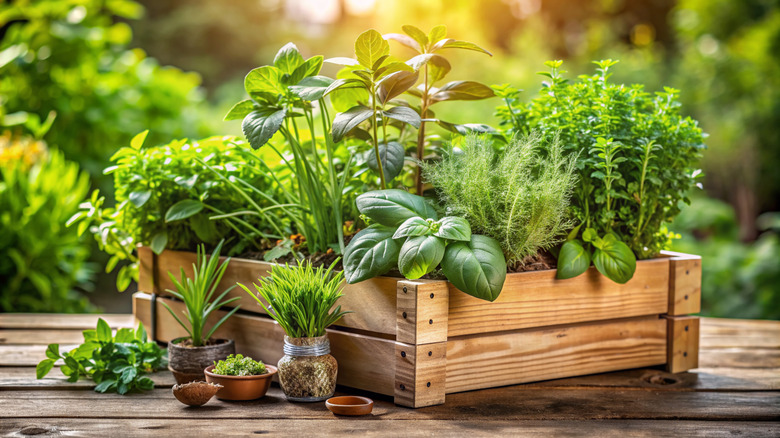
x,y
687,272
404,315
403,387
404,289
431,296
686,297
430,353
685,354
686,328
430,321
403,354
428,384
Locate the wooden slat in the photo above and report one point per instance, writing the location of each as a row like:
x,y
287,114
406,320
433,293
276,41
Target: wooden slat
x,y
40,337
373,300
24,378
59,321
367,427
422,311
536,299
364,362
684,283
513,403
483,361
682,343
420,372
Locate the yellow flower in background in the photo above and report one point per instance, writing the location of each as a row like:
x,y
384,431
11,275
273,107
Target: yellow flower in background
x,y
19,149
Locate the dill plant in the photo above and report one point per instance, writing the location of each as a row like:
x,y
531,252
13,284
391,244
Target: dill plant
x,y
300,298
517,195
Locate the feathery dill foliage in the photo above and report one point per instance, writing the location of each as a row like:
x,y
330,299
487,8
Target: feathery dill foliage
x,y
516,196
300,298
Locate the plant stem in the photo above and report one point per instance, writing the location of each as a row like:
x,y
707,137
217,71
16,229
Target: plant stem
x,y
421,131
376,142
336,195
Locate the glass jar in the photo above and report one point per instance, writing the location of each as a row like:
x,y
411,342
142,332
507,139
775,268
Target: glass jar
x,y
307,372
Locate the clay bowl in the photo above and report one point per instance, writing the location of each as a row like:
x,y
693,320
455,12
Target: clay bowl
x,y
350,405
241,387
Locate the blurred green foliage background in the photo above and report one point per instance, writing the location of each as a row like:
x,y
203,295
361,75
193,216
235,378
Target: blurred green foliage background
x,y
99,65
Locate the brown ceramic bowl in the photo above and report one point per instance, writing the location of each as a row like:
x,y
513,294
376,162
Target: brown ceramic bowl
x,y
241,387
350,405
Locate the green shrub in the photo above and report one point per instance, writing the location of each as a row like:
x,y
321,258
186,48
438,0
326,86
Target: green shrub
x,y
515,196
637,153
42,262
238,365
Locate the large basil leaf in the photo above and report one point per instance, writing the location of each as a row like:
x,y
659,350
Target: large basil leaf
x,y
260,126
309,68
288,58
462,90
478,267
395,84
392,207
392,157
240,110
370,253
404,114
183,209
369,47
573,260
312,88
265,79
614,259
453,228
347,121
412,227
420,255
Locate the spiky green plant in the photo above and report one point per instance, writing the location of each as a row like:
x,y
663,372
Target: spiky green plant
x,y
517,196
197,293
300,298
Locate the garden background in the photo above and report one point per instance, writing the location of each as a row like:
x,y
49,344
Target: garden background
x,y
109,69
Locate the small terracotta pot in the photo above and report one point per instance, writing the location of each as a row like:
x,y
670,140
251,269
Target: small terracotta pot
x,y
187,363
350,405
241,387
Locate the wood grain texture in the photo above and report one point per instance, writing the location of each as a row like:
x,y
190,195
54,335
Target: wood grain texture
x,y
23,378
58,321
372,300
368,427
682,343
421,316
684,283
420,372
364,362
483,361
537,299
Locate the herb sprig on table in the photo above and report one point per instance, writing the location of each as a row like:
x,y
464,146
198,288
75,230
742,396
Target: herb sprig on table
x,y
116,363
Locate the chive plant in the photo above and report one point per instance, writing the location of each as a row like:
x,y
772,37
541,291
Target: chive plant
x,y
301,298
197,292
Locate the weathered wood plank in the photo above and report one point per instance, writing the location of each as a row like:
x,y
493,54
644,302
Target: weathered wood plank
x,y
537,299
59,321
513,403
368,427
24,378
40,337
475,362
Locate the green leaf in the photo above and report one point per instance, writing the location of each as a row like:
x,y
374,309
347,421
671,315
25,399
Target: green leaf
x,y
370,253
105,385
589,235
392,157
138,140
103,331
615,260
453,228
53,351
260,126
437,34
309,68
340,60
312,88
477,268
183,209
240,110
395,84
346,121
139,198
288,58
438,67
420,255
417,34
392,207
43,368
158,244
369,47
403,114
413,227
403,39
462,90
266,79
467,128
573,260
454,44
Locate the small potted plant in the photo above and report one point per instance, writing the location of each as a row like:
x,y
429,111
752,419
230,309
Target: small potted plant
x,y
242,378
301,299
190,355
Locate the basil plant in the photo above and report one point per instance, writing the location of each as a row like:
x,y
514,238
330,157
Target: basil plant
x,y
406,232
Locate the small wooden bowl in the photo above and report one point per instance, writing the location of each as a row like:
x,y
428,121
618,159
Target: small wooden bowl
x,y
350,405
241,387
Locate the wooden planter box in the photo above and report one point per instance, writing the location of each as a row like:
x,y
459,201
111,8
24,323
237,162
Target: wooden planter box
x,y
420,340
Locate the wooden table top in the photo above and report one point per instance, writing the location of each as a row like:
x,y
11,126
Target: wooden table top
x,y
736,391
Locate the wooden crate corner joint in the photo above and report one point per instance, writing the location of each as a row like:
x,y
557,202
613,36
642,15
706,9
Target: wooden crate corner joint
x,y
682,333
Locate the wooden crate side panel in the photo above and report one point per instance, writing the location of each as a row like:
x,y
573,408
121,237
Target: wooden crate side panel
x,y
373,301
364,362
537,299
498,359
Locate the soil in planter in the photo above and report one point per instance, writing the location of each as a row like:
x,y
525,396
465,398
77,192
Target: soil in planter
x,y
308,376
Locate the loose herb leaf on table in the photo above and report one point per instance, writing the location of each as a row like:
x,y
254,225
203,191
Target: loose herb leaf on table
x,y
117,363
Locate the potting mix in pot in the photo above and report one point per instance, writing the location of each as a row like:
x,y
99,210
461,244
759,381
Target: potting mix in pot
x,y
351,176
